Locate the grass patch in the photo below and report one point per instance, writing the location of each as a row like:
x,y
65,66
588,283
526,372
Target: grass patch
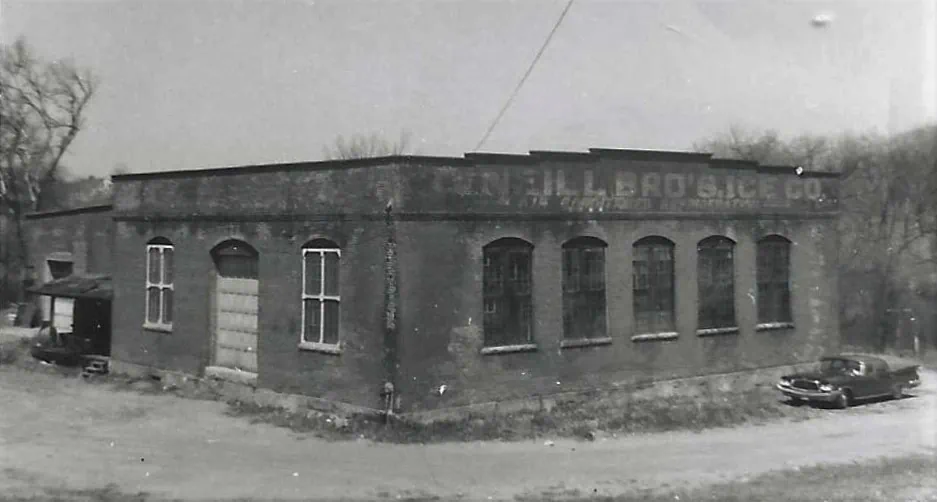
x,y
588,416
15,353
12,351
886,480
583,418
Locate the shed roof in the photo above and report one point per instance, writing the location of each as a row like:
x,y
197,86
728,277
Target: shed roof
x,y
78,286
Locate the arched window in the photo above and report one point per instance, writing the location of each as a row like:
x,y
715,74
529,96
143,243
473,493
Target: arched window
x,y
321,293
236,259
653,285
507,287
159,283
774,273
584,288
716,282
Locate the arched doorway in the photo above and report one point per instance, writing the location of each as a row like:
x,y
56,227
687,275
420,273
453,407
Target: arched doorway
x,y
235,306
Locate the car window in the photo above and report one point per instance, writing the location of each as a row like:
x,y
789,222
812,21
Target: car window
x,y
832,365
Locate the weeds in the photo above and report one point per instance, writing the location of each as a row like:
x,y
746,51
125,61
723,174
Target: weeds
x,y
582,419
587,417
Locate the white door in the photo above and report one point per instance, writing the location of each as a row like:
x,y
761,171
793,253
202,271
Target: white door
x,y
236,307
64,315
236,323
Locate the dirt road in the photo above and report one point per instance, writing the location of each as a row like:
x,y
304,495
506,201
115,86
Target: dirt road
x,y
63,433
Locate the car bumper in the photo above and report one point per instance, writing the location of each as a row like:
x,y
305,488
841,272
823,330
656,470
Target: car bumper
x,y
810,395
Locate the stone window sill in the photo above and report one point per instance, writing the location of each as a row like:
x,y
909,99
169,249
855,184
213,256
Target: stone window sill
x,y
158,328
585,342
717,331
647,337
231,375
770,326
323,348
508,349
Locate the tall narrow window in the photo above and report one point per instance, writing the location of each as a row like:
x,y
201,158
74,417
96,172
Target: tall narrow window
x,y
584,288
653,285
716,283
774,270
507,281
321,297
159,278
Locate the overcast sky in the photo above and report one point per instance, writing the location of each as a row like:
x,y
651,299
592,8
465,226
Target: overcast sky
x,y
197,84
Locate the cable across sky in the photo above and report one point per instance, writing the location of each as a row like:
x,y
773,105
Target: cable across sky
x,y
530,69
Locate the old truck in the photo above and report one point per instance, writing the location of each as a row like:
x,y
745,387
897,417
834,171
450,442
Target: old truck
x,y
847,378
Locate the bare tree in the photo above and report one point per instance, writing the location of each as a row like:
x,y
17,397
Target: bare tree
x,y
41,112
360,146
888,220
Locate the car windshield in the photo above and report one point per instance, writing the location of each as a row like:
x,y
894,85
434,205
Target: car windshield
x,y
839,366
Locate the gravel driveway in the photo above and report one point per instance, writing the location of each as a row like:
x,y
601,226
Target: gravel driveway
x,y
62,433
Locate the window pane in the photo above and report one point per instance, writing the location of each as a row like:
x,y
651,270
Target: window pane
x,y
167,266
716,285
152,305
520,272
773,281
313,322
597,311
313,274
60,269
331,274
493,273
153,263
784,304
506,296
584,304
331,322
571,272
653,287
640,275
522,333
595,269
167,306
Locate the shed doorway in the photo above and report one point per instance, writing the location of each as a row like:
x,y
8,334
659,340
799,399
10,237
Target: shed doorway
x,y
235,307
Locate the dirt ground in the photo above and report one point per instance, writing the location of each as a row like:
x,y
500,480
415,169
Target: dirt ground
x,y
63,435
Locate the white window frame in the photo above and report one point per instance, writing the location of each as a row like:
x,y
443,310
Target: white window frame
x,y
319,343
163,286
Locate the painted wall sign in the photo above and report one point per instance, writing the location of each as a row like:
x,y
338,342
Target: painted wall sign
x,y
598,189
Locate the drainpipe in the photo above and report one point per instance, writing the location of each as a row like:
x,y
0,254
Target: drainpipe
x,y
390,397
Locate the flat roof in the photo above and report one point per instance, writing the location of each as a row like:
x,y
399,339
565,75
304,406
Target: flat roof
x,y
99,208
534,157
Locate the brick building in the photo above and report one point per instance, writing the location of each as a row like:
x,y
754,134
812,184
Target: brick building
x,y
500,277
70,263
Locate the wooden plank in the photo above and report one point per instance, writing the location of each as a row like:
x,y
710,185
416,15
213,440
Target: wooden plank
x,y
236,339
225,357
238,286
236,323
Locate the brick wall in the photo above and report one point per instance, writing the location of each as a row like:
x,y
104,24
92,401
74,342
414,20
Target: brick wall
x,y
441,314
85,234
82,236
443,212
276,213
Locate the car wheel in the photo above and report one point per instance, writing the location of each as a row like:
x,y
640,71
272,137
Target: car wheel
x,y
897,392
844,400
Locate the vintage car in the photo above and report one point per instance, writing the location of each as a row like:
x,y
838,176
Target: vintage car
x,y
844,379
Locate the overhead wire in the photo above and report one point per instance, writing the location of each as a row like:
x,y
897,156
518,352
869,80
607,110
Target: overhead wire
x,y
530,70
